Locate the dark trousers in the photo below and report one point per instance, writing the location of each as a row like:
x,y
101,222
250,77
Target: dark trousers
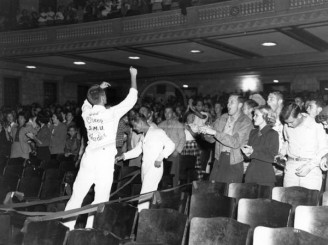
x,y
224,172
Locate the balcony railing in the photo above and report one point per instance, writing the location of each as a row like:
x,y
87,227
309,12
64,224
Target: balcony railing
x,y
102,32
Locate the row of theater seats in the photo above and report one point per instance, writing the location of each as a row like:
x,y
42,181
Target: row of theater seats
x,y
215,213
36,183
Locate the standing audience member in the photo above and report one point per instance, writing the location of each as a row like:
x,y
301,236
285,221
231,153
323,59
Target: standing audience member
x,y
71,150
42,138
306,144
276,103
263,146
175,130
20,147
230,133
249,107
314,107
58,136
155,146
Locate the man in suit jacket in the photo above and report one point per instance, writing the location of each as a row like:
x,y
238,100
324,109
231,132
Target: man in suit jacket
x,y
230,132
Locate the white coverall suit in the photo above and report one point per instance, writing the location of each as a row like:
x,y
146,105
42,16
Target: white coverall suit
x,y
156,146
97,164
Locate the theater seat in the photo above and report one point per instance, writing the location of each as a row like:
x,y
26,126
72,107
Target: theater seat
x,y
209,187
45,232
219,230
118,219
285,236
262,212
295,196
249,190
161,226
90,237
175,199
211,205
312,219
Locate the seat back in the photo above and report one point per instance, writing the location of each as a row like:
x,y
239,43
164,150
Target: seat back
x,y
286,236
4,228
249,190
90,237
263,212
209,187
175,199
312,219
165,226
45,233
117,218
211,205
51,184
219,230
30,186
295,196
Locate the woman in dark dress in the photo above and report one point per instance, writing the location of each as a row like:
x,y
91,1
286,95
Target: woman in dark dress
x,y
263,146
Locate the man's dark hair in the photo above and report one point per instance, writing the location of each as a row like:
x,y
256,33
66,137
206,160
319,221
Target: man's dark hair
x,y
137,118
251,103
292,109
94,94
319,103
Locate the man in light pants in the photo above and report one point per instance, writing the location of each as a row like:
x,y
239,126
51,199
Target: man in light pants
x,y
97,164
155,146
305,146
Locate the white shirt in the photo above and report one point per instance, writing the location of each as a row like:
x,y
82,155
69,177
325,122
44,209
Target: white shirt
x,y
155,146
102,123
307,140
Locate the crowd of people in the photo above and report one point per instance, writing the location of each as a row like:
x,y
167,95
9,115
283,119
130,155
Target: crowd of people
x,y
234,138
84,11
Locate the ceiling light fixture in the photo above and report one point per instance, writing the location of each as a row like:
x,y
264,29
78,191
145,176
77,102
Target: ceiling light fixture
x,y
79,63
269,44
196,51
185,86
134,57
30,67
276,81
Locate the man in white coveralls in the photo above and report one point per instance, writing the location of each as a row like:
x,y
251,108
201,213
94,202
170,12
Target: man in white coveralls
x,y
97,164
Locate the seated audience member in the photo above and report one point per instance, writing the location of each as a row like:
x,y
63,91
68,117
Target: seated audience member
x,y
59,16
262,147
20,147
43,17
306,144
155,146
249,107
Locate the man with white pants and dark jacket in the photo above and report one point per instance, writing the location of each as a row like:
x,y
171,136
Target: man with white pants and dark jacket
x,y
97,164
